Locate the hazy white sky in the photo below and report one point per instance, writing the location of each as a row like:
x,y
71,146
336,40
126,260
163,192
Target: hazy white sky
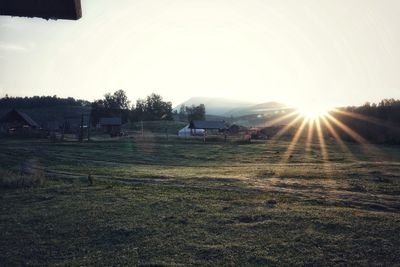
x,y
337,52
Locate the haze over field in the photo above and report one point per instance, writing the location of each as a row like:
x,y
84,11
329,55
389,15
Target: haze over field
x,y
334,52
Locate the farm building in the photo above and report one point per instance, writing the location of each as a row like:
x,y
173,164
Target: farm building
x,y
17,122
110,125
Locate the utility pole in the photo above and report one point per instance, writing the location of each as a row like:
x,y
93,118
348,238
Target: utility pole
x,y
88,128
81,130
63,130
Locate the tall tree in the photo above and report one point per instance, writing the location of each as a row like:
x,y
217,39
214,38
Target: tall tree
x,y
116,104
182,115
196,112
117,100
153,108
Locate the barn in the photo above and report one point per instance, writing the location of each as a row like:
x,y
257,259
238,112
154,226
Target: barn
x,y
111,125
17,122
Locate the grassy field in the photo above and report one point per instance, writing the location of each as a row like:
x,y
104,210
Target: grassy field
x,y
181,202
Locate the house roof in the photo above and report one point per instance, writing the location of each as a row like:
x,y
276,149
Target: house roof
x,y
28,120
47,9
110,121
198,124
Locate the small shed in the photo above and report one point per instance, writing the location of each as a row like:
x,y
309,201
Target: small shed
x,y
16,121
111,125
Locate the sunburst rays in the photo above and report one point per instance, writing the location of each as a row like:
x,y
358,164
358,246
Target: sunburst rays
x,y
337,138
323,148
310,135
317,129
369,149
294,141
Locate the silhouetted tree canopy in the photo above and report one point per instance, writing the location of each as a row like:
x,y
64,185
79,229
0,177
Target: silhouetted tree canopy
x,y
117,104
113,105
118,100
182,115
152,108
387,109
377,123
39,101
193,112
196,112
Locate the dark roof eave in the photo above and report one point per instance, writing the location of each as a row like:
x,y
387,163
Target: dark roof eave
x,y
46,9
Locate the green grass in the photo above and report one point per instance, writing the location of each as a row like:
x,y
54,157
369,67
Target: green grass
x,y
182,202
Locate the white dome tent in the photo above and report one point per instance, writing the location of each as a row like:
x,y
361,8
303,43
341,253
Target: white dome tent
x,y
186,131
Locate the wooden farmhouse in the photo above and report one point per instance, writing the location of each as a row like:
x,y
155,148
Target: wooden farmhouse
x,y
18,122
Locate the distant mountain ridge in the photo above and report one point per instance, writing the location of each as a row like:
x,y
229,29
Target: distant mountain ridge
x,y
262,108
216,106
229,107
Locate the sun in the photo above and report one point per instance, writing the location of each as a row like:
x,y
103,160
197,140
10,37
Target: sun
x,y
313,111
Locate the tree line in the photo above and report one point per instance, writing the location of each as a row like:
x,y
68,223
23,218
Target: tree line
x,y
375,122
39,101
387,110
116,104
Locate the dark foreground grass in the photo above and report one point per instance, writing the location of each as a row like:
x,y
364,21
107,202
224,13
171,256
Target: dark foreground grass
x,y
244,206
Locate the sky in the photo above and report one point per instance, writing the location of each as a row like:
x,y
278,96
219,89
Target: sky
x,y
336,53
